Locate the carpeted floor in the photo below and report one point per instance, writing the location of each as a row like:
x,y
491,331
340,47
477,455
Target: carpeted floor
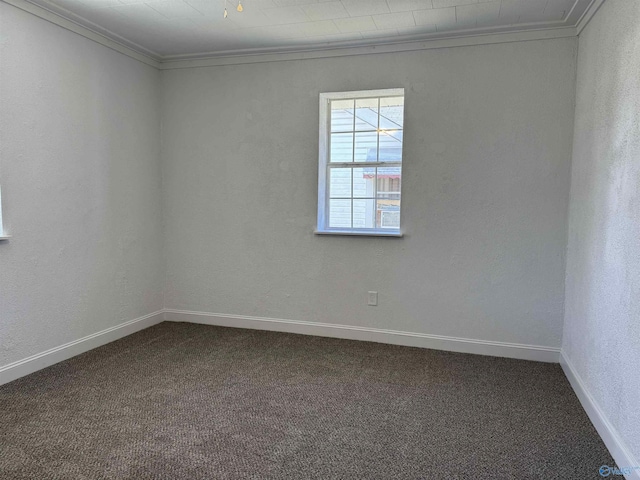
x,y
183,401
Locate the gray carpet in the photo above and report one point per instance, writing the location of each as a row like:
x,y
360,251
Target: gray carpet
x,y
182,401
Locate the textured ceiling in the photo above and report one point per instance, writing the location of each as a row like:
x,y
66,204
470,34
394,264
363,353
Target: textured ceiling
x,y
182,28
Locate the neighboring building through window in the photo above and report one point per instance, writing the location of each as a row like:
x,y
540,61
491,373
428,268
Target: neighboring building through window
x,y
360,165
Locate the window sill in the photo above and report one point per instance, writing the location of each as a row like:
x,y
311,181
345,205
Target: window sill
x,y
360,233
4,237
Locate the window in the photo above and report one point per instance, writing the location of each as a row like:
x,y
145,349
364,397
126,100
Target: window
x,y
360,165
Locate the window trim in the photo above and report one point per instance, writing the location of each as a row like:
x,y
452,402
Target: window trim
x,y
3,235
323,162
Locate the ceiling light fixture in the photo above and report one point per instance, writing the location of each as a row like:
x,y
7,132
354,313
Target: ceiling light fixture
x,y
239,8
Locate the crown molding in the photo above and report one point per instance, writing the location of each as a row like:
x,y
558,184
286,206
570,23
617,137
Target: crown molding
x,y
310,53
49,6
588,15
106,39
526,32
380,41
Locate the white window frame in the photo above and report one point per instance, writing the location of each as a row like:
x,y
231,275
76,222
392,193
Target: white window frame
x,y
3,235
323,164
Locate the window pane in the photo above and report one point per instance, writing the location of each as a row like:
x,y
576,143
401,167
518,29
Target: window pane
x,y
391,113
388,201
367,114
339,213
388,218
341,147
390,146
366,147
342,115
364,182
340,183
364,213
389,182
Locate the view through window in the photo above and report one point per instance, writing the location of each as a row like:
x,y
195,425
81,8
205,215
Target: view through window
x,y
361,161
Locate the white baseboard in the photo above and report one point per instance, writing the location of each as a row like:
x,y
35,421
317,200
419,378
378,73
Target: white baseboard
x,y
42,360
410,339
619,451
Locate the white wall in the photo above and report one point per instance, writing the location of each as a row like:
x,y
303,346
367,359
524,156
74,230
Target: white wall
x,y
602,321
79,169
485,193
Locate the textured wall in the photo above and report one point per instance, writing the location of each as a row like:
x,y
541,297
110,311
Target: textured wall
x,y
602,320
485,197
79,150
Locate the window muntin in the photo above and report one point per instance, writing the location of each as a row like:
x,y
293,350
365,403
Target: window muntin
x,y
360,167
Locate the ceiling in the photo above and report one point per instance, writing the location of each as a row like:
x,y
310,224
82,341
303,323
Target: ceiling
x,y
173,29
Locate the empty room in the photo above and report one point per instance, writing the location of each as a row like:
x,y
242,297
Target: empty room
x,y
222,258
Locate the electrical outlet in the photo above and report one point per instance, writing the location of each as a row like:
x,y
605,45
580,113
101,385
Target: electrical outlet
x,y
373,299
